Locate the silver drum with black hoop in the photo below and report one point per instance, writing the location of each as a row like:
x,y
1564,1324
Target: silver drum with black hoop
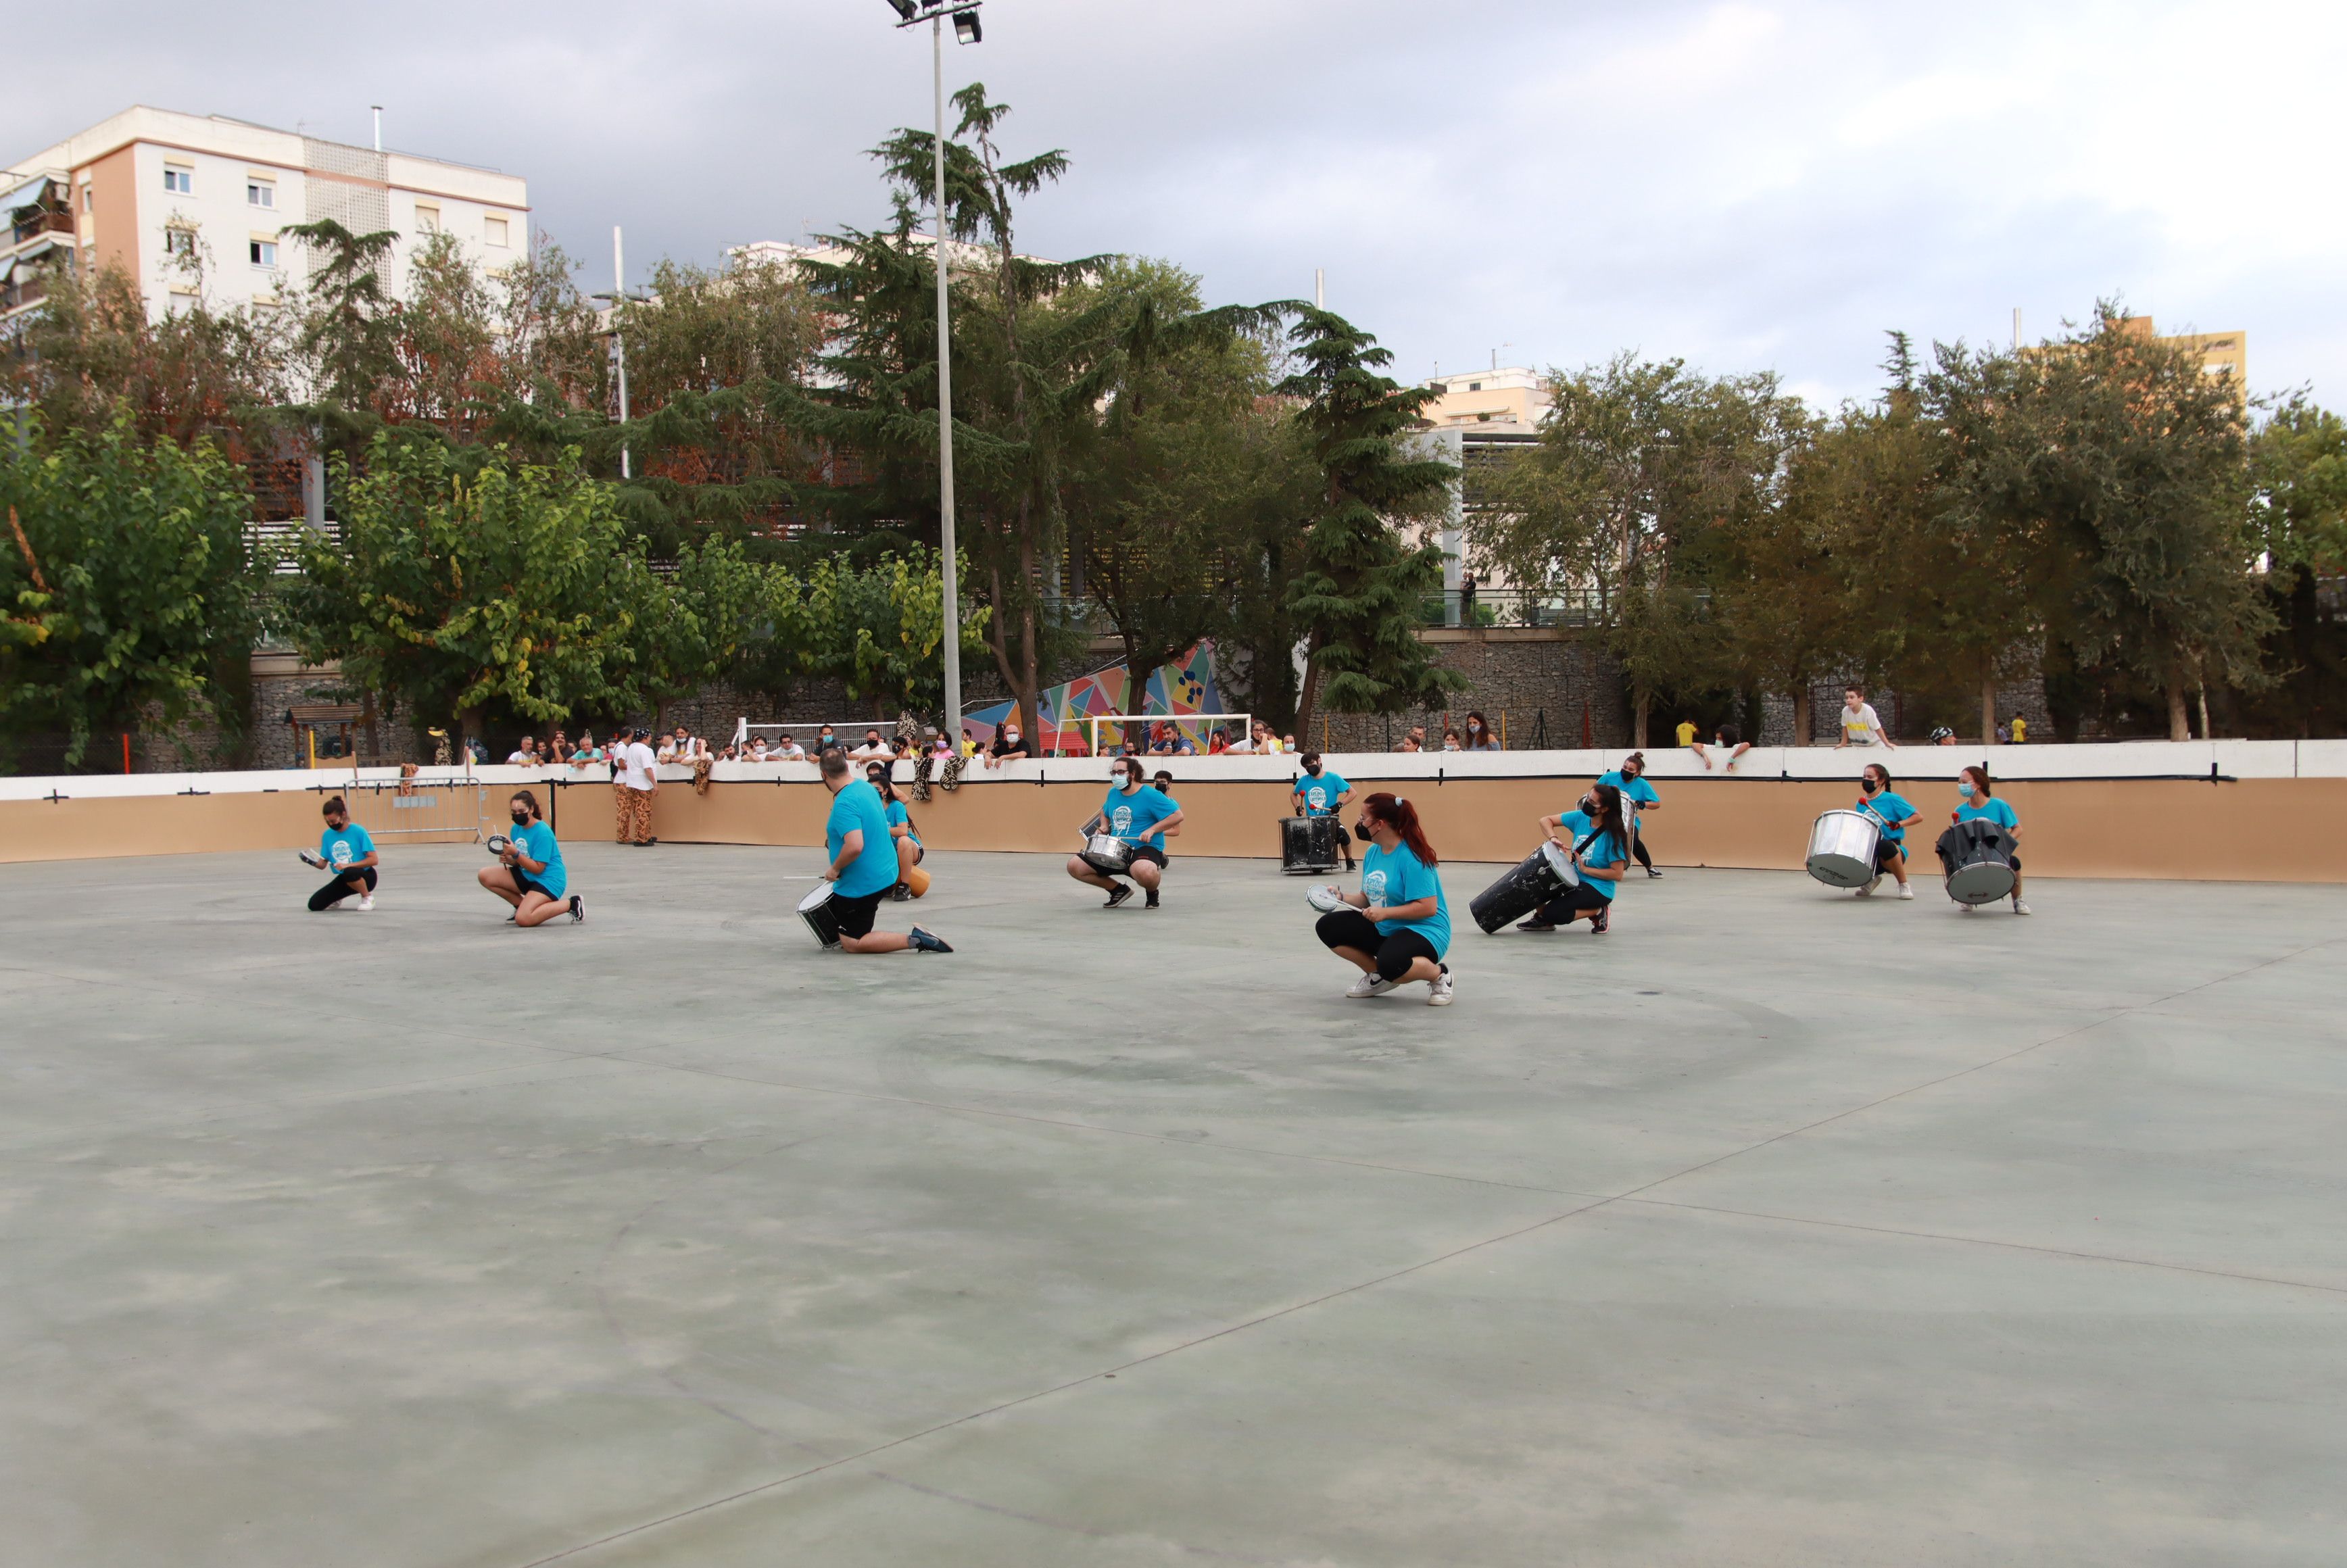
x,y
1308,843
821,918
1107,853
1842,846
1977,855
1531,883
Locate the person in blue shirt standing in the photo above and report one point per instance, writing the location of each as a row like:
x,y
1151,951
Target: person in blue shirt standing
x,y
529,874
1639,796
1321,791
1397,928
1876,799
1596,837
1141,817
344,849
1972,787
863,865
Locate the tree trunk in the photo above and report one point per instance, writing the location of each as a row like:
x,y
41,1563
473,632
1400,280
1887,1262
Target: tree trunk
x,y
2180,721
1308,690
1638,726
1804,716
367,716
1988,707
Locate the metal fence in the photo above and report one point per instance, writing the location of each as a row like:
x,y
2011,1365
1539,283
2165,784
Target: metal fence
x,y
442,812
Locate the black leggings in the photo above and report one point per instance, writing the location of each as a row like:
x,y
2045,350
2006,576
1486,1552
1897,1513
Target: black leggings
x,y
1638,849
1570,905
341,887
1393,955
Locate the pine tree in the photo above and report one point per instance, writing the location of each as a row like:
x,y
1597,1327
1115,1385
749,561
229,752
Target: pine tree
x,y
1360,584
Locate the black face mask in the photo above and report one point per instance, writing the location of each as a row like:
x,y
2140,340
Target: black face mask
x,y
521,819
1868,786
1362,833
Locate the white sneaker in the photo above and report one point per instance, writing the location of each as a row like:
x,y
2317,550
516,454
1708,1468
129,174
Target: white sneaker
x,y
1868,891
1438,990
366,901
1906,890
1967,908
1370,984
2019,907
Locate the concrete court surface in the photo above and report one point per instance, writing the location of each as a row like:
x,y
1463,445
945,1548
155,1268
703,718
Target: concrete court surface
x,y
1776,1227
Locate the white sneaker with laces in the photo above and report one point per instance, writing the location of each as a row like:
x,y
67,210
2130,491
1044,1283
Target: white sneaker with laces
x,y
1868,891
1906,890
1370,984
366,900
2019,907
1438,990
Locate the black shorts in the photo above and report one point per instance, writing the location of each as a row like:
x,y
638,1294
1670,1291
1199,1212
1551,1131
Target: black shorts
x,y
1144,852
1886,850
524,885
855,915
1393,955
1570,904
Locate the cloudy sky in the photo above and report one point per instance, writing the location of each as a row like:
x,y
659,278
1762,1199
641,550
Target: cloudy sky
x,y
1759,183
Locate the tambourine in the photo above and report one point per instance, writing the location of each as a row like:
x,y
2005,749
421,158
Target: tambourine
x,y
1326,899
498,843
311,857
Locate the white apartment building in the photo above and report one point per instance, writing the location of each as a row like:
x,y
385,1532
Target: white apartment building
x,y
192,206
1510,395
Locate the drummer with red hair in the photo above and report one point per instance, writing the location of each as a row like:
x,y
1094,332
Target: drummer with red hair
x,y
1398,927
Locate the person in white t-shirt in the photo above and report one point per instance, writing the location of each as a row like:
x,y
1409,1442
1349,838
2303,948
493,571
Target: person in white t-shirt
x,y
523,755
1861,725
643,783
788,750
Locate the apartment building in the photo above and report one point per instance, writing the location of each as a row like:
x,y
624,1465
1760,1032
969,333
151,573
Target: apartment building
x,y
1513,395
192,206
2220,353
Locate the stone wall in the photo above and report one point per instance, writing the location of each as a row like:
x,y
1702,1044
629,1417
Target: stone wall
x,y
1537,687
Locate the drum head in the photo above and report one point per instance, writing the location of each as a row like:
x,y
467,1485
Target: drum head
x,y
817,896
498,843
1328,900
1981,882
1840,870
1559,861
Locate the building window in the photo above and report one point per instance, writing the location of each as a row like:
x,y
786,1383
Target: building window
x,y
1474,387
260,193
179,242
493,230
183,302
427,218
264,252
179,181
88,200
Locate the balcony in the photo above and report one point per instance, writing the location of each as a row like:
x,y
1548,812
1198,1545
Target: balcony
x,y
32,223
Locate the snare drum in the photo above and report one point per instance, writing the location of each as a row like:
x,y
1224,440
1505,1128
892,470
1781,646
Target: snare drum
x,y
1842,845
1977,855
1532,882
1328,900
496,844
1107,853
816,911
1308,844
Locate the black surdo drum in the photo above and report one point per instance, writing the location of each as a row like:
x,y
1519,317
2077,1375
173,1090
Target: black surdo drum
x,y
816,911
1308,843
1977,855
1538,877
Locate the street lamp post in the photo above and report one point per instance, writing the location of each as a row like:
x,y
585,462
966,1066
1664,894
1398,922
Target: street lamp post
x,y
966,30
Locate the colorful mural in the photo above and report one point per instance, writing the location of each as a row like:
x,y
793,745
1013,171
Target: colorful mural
x,y
1174,690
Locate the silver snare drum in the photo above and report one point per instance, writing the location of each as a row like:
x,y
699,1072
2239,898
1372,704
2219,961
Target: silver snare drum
x,y
1107,853
1842,846
816,911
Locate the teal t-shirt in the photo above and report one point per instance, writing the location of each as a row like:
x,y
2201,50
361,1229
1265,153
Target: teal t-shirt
x,y
1321,794
1637,789
537,842
1131,817
1890,808
899,817
1996,811
874,870
338,846
1606,849
1391,876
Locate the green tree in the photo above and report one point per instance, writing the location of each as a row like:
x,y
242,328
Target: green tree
x,y
1358,585
346,329
466,578
2298,518
714,618
131,599
879,628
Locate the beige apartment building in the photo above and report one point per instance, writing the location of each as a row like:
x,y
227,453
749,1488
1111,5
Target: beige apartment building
x,y
192,208
1513,395
2220,353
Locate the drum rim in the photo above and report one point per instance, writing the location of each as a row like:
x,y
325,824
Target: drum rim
x,y
818,895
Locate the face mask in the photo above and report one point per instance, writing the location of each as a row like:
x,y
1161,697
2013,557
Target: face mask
x,y
1868,786
520,818
1963,792
1362,832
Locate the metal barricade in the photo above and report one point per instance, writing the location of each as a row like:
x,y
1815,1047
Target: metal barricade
x,y
435,812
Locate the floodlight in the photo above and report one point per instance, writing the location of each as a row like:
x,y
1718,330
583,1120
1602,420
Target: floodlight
x,y
966,27
903,8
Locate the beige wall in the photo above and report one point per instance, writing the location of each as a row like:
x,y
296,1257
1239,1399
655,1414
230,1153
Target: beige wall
x,y
2265,830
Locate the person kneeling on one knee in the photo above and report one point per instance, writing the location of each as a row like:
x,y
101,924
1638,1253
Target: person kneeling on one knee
x,y
1399,926
530,873
344,849
1597,838
864,865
